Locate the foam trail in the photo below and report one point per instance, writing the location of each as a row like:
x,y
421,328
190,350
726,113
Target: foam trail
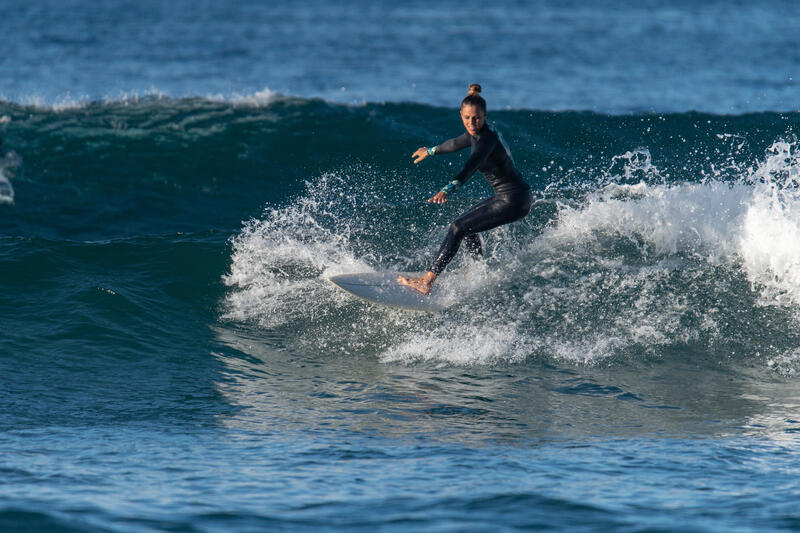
x,y
481,344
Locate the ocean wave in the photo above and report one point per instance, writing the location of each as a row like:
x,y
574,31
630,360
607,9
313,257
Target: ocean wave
x,y
649,234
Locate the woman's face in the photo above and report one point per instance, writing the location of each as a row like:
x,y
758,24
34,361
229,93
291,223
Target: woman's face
x,y
473,118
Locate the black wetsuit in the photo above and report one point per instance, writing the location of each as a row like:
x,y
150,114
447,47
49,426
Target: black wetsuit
x,y
511,200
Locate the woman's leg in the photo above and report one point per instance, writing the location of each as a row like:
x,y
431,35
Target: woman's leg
x,y
486,215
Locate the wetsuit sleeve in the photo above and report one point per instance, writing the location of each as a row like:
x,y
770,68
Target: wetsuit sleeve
x,y
454,145
483,148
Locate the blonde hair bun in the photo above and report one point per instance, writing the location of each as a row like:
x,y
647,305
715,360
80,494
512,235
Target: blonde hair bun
x,y
474,89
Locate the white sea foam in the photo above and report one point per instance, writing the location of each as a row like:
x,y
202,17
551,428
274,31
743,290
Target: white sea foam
x,y
68,101
64,103
10,165
769,242
279,260
686,218
133,97
6,190
261,98
755,220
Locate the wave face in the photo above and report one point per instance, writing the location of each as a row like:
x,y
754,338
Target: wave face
x,y
650,234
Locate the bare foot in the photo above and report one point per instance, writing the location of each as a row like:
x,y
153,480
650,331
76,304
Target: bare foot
x,y
421,284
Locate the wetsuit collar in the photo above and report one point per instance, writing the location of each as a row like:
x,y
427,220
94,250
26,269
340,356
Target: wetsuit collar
x,y
481,131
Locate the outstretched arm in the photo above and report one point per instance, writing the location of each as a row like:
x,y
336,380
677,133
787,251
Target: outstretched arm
x,y
451,145
454,145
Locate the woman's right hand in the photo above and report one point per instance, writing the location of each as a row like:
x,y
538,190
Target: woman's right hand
x,y
420,154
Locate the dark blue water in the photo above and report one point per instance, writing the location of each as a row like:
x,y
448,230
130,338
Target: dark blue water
x,y
179,181
713,56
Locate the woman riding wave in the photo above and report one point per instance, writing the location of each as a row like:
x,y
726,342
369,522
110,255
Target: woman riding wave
x,y
489,155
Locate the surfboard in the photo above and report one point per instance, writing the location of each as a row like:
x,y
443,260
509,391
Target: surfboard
x,y
382,288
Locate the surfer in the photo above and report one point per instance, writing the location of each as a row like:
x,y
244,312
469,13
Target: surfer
x,y
489,155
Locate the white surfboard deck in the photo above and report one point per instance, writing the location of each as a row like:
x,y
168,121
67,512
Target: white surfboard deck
x,y
383,288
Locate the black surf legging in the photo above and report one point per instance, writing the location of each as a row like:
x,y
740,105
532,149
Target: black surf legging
x,y
488,214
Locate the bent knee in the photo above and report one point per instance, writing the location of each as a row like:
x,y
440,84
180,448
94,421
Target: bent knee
x,y
459,230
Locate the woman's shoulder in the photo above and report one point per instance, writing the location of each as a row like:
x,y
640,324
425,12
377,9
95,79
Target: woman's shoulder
x,y
489,133
490,130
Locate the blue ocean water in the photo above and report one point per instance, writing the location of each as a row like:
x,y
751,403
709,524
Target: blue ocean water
x,y
178,180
